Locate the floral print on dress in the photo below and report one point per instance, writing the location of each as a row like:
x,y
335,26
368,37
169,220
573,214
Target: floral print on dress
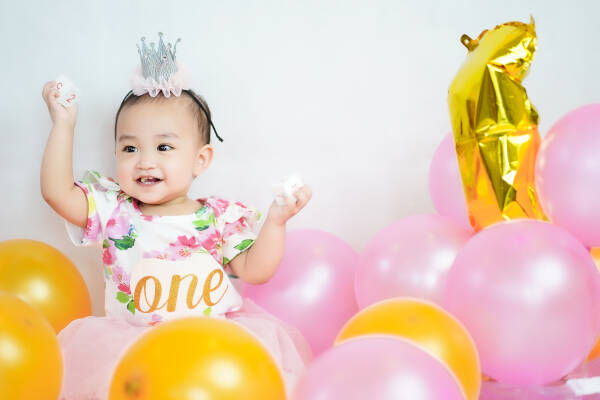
x,y
121,232
204,219
180,249
93,228
121,235
219,227
121,279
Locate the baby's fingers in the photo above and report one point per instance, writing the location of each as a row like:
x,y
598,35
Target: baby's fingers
x,y
50,93
48,86
303,195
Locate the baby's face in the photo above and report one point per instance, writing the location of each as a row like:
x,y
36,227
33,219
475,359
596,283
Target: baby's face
x,y
158,150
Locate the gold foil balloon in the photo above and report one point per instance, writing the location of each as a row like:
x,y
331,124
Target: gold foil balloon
x,y
495,125
197,358
45,278
429,326
30,360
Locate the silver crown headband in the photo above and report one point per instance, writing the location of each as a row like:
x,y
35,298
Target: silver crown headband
x,y
159,71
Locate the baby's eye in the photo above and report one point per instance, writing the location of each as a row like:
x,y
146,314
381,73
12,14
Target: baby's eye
x,y
129,149
164,147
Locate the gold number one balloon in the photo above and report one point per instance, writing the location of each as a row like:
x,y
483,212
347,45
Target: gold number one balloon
x,y
495,125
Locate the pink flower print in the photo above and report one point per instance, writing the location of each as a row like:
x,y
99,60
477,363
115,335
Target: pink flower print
x,y
189,242
177,252
117,227
212,241
120,276
183,247
117,274
108,255
219,206
155,254
148,217
124,288
233,228
240,204
92,229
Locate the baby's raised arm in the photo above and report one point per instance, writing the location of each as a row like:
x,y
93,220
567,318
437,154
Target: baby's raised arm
x,y
56,175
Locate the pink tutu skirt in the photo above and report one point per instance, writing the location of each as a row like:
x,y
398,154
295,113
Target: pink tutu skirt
x,y
92,347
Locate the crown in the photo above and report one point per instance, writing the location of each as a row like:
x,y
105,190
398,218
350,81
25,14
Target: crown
x,y
159,71
158,64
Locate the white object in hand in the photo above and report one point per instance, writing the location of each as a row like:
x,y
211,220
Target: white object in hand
x,y
68,92
286,188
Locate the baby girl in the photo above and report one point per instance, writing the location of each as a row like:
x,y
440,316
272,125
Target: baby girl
x,y
164,254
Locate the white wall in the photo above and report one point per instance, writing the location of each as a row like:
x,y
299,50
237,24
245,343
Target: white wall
x,y
350,94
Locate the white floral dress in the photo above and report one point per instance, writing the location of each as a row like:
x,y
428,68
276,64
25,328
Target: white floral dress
x,y
158,268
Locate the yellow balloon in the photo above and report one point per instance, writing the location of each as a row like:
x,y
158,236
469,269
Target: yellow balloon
x,y
595,353
30,359
45,278
427,325
595,252
197,358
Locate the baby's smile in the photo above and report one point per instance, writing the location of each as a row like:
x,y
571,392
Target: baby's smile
x,y
148,180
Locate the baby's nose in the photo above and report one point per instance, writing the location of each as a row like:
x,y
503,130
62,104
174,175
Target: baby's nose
x,y
145,162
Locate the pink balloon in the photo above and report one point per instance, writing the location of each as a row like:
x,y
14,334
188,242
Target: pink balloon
x,y
377,368
445,184
409,258
528,292
313,288
568,173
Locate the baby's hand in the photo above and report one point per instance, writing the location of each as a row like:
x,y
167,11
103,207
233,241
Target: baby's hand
x,y
280,213
58,112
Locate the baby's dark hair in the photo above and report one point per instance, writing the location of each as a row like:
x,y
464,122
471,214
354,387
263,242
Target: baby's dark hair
x,y
198,106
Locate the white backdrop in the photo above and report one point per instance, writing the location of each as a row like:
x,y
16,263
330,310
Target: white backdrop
x,y
349,94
